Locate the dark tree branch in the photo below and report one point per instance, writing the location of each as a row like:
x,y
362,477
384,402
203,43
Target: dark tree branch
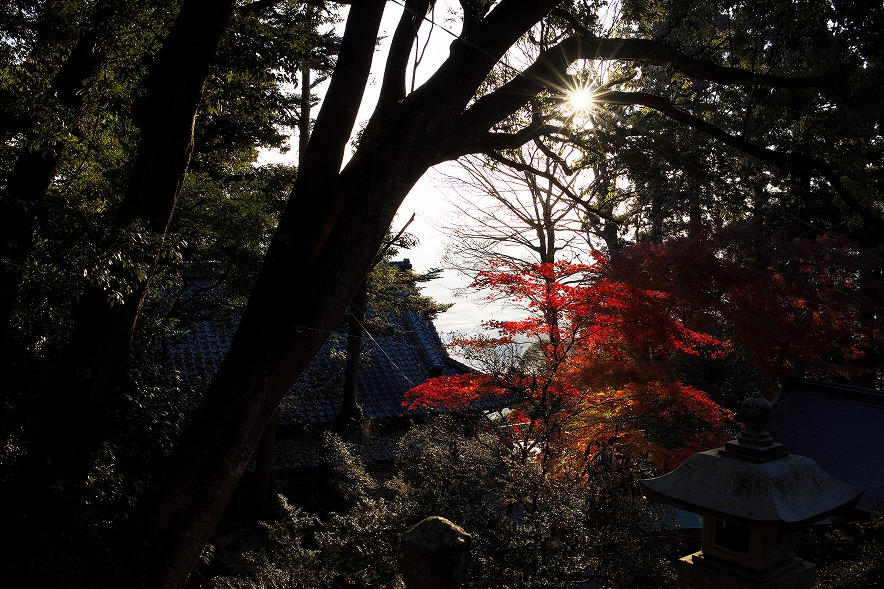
x,y
85,58
393,86
553,156
354,63
474,55
549,72
532,132
68,85
503,141
784,160
473,13
551,67
658,52
661,54
389,243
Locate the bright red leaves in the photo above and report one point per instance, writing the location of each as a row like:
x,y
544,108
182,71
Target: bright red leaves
x,y
589,360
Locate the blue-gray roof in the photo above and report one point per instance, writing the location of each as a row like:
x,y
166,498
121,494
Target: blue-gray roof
x,y
840,427
390,365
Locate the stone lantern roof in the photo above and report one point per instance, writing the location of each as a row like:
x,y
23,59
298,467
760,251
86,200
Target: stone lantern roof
x,y
753,479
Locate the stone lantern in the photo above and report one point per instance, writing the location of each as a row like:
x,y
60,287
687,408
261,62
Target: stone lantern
x,y
754,497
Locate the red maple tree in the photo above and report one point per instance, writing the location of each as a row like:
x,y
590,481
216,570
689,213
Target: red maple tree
x,y
793,306
588,362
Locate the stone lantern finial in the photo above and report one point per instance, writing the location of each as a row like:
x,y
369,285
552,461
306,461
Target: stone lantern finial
x,y
755,442
755,413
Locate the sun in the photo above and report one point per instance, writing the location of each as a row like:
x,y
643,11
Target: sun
x,y
579,99
578,103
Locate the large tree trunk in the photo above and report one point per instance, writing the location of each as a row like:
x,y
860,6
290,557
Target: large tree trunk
x,y
93,372
295,301
263,468
323,248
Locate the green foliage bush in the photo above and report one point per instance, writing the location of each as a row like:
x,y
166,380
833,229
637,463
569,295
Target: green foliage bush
x,y
529,530
849,556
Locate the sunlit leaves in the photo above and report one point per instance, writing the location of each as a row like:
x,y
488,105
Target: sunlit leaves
x,y
450,392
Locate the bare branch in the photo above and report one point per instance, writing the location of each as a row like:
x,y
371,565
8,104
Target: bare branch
x,y
523,210
566,190
388,244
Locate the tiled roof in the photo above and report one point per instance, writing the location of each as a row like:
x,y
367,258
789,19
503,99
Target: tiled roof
x,y
390,365
839,426
196,352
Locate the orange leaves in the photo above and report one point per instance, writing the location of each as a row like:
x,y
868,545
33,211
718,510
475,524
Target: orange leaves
x,y
569,303
597,354
664,421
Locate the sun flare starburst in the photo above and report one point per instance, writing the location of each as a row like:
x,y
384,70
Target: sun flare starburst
x,y
577,104
579,99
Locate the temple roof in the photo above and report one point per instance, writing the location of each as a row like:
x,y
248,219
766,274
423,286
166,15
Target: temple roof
x,y
390,365
839,426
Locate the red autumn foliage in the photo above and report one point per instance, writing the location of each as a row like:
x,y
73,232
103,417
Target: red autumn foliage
x,y
588,362
795,307
450,392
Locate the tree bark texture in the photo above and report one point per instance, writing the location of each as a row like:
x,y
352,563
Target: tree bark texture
x,y
263,467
